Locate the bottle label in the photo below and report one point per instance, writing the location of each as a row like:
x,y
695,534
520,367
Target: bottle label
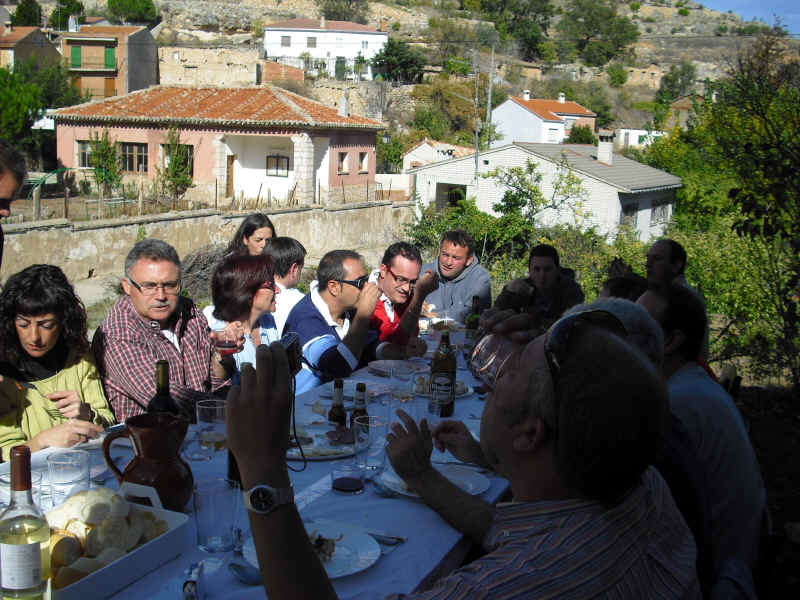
x,y
21,566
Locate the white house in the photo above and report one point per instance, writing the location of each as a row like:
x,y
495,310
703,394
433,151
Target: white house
x,y
538,120
615,189
332,46
635,138
429,151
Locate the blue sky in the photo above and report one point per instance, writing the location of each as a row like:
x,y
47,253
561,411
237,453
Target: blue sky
x,y
764,10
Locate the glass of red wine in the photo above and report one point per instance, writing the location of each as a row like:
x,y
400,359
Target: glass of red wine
x,y
225,343
348,478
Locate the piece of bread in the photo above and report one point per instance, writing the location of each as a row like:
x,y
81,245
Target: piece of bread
x,y
65,548
135,531
109,555
111,533
95,505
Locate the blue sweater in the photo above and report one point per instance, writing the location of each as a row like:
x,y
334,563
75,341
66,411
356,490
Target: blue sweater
x,y
325,357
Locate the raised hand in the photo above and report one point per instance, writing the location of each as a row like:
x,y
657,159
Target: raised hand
x,y
455,437
409,448
367,299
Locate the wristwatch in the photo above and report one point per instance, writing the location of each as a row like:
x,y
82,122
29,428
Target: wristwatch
x,y
263,499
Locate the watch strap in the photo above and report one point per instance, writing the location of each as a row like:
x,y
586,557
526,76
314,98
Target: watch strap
x,y
279,497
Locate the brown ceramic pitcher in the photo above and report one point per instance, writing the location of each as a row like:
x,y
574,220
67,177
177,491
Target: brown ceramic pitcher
x,y
157,439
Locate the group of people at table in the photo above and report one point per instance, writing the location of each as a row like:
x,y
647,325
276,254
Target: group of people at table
x,y
631,473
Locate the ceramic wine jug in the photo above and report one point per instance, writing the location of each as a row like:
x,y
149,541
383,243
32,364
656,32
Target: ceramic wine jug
x,y
156,439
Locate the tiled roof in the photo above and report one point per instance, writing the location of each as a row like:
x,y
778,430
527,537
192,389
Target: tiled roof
x,y
9,38
258,107
623,173
272,71
549,110
89,31
458,151
318,25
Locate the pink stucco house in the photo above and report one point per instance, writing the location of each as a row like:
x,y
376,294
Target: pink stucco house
x,y
251,142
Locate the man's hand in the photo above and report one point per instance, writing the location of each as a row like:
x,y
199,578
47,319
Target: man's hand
x,y
427,282
233,332
65,435
427,310
520,286
257,417
367,300
70,405
416,347
409,448
455,437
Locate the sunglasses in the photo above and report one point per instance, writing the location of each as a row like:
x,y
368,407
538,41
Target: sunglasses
x,y
556,342
358,283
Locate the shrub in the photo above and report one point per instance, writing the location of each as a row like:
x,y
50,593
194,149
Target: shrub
x,y
396,26
684,12
581,134
617,75
635,6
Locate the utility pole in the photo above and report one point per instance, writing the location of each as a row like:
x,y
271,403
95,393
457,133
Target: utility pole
x,y
489,97
475,72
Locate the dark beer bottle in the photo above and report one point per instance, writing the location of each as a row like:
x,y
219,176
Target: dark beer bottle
x,y
162,401
443,376
359,403
336,415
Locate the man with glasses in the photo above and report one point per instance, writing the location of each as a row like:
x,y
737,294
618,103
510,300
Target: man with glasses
x,y
153,322
333,321
572,431
403,292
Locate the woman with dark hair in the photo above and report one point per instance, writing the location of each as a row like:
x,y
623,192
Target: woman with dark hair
x,y
243,290
51,393
252,234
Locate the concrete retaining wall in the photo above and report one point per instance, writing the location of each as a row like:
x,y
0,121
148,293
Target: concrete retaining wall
x,y
100,247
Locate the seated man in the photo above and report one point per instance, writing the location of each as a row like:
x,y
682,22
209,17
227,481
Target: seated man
x,y
546,293
731,472
403,292
288,256
460,278
572,432
153,322
332,320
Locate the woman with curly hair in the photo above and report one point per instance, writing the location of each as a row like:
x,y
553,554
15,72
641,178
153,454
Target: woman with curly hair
x,y
243,291
51,393
252,234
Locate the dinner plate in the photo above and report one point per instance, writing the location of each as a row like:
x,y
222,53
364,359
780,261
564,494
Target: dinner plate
x,y
466,478
320,448
384,367
354,552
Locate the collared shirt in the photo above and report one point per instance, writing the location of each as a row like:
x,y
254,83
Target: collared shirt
x,y
127,348
576,549
284,303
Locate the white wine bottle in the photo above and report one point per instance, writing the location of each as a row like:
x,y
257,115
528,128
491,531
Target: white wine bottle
x,y
24,535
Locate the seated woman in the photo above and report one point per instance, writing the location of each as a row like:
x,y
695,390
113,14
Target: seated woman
x,y
51,393
252,234
243,291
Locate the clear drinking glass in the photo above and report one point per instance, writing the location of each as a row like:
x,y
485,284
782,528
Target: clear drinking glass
x,y
404,374
370,439
211,431
489,356
68,472
215,512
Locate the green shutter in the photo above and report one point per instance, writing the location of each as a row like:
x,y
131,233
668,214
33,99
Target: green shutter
x,y
76,56
111,61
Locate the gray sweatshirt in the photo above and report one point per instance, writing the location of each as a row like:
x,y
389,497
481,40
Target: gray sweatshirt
x,y
455,295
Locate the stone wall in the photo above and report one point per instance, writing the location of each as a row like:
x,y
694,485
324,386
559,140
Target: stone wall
x,y
207,66
100,247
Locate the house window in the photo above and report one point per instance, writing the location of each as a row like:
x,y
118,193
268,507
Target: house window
x,y
84,150
629,214
110,58
364,44
341,164
659,214
277,166
134,157
311,42
187,148
286,41
363,162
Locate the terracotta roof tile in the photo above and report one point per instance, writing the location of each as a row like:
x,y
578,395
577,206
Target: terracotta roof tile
x,y
549,110
272,71
254,107
9,38
317,24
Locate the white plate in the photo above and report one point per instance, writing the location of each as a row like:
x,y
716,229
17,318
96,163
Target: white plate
x,y
355,552
466,478
320,449
384,367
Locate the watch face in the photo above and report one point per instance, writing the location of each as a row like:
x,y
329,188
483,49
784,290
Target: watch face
x,y
261,499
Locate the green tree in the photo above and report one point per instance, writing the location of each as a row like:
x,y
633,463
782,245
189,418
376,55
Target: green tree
x,y
397,61
595,29
356,11
27,14
53,80
593,95
105,161
20,103
581,134
677,82
389,156
433,122
524,21
617,74
135,11
59,18
175,178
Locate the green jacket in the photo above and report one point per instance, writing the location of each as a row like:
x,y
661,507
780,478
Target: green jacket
x,y
25,411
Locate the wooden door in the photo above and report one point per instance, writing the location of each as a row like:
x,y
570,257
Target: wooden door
x,y
229,176
110,89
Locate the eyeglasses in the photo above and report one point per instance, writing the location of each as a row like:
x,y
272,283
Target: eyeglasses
x,y
402,280
148,288
556,341
359,283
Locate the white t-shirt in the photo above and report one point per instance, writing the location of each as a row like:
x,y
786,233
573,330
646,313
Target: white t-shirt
x,y
284,303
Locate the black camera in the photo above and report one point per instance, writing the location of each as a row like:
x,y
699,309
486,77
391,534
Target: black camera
x,y
291,343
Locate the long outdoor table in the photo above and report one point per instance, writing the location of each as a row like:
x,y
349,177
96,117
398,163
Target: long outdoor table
x,y
433,546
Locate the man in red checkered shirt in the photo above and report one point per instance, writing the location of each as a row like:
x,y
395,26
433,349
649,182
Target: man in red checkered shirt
x,y
153,322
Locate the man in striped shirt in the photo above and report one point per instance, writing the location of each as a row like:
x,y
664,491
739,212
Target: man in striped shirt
x,y
573,424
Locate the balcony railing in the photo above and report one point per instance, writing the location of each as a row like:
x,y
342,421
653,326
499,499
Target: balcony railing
x,y
96,64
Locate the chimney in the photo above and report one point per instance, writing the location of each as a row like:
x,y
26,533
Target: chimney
x,y
72,24
344,110
562,98
526,95
322,22
605,148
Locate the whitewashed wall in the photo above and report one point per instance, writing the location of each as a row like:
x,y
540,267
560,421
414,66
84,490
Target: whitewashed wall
x,y
517,124
250,168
